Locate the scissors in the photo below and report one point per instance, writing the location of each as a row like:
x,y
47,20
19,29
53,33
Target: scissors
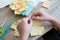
x,y
1,26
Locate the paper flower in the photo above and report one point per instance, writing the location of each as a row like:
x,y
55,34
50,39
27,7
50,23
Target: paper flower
x,y
18,6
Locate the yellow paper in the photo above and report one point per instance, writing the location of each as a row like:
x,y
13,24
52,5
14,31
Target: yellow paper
x,y
38,28
37,23
46,4
13,7
17,12
37,31
16,33
14,26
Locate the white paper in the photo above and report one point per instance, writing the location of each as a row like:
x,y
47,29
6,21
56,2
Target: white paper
x,y
4,3
35,2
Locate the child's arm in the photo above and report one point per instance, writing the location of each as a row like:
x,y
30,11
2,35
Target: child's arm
x,y
40,15
56,23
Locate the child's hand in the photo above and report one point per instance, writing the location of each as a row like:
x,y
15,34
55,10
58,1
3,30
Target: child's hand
x,y
24,26
40,15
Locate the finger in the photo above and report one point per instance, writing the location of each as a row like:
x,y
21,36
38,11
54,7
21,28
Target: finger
x,y
28,20
35,13
38,18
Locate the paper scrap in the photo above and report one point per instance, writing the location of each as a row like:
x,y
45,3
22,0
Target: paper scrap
x,y
46,4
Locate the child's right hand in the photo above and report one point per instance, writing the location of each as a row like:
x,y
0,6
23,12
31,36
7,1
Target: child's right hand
x,y
40,15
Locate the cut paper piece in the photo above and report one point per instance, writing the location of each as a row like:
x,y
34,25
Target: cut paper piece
x,y
17,12
13,27
46,4
20,5
16,33
14,1
13,7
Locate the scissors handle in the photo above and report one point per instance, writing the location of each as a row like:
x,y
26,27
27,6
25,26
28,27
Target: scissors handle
x,y
1,30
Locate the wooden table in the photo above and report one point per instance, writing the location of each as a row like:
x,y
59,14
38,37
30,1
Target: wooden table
x,y
7,12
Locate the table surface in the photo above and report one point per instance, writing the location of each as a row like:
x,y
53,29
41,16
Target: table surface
x,y
54,11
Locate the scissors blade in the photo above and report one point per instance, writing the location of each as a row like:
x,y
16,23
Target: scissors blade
x,y
4,22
